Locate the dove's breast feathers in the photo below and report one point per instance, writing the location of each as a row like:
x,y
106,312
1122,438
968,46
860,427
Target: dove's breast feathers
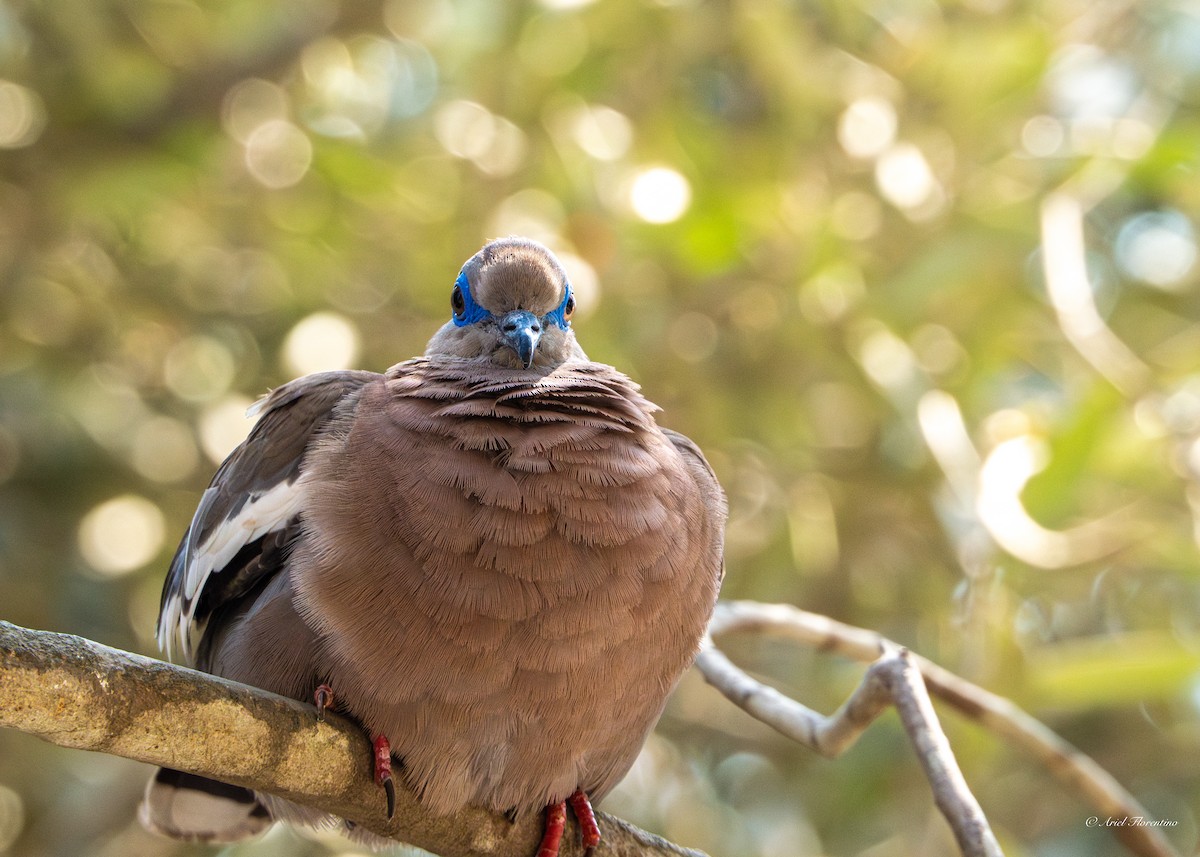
x,y
515,568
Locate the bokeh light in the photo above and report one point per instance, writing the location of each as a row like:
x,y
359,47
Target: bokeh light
x,y
121,535
531,212
465,128
584,283
469,130
1158,248
867,127
198,368
905,178
321,342
357,87
223,425
888,360
602,132
659,195
22,115
831,292
1087,83
1043,136
251,104
278,154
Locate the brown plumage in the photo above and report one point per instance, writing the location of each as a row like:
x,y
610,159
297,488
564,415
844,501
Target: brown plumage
x,y
502,569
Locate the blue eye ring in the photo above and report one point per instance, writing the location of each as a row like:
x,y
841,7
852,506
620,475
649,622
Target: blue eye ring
x,y
462,304
561,315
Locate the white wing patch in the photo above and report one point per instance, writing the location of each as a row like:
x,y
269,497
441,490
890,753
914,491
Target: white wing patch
x,y
260,515
196,816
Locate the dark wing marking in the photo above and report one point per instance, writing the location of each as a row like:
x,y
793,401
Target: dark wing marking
x,y
247,518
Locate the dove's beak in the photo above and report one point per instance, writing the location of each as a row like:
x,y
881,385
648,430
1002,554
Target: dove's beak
x,y
521,331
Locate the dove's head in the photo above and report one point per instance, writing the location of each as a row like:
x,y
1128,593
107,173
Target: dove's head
x,y
511,305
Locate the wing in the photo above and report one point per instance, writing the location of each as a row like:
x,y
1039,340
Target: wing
x,y
249,515
710,490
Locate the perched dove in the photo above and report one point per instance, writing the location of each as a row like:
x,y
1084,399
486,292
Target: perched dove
x,y
490,556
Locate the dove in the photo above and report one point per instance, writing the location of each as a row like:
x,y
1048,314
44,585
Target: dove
x,y
491,557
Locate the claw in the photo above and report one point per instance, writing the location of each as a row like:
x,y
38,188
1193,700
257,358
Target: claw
x,y
389,791
383,771
323,698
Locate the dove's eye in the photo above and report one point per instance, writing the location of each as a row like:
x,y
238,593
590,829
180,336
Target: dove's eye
x,y
457,302
569,308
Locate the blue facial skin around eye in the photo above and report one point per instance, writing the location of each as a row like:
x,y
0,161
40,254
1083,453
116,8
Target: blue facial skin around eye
x,y
559,316
473,312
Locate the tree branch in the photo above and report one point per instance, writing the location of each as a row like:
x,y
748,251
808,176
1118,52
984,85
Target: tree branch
x,y
77,693
893,679
834,734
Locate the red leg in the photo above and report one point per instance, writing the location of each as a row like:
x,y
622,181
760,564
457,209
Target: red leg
x,y
323,698
383,771
589,831
556,820
381,749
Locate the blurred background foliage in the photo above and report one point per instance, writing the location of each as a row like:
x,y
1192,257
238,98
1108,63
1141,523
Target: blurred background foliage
x,y
920,278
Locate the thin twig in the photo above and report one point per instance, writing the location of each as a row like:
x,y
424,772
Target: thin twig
x,y
950,790
892,679
830,736
1108,798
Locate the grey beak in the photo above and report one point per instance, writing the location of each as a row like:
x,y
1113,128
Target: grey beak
x,y
521,331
